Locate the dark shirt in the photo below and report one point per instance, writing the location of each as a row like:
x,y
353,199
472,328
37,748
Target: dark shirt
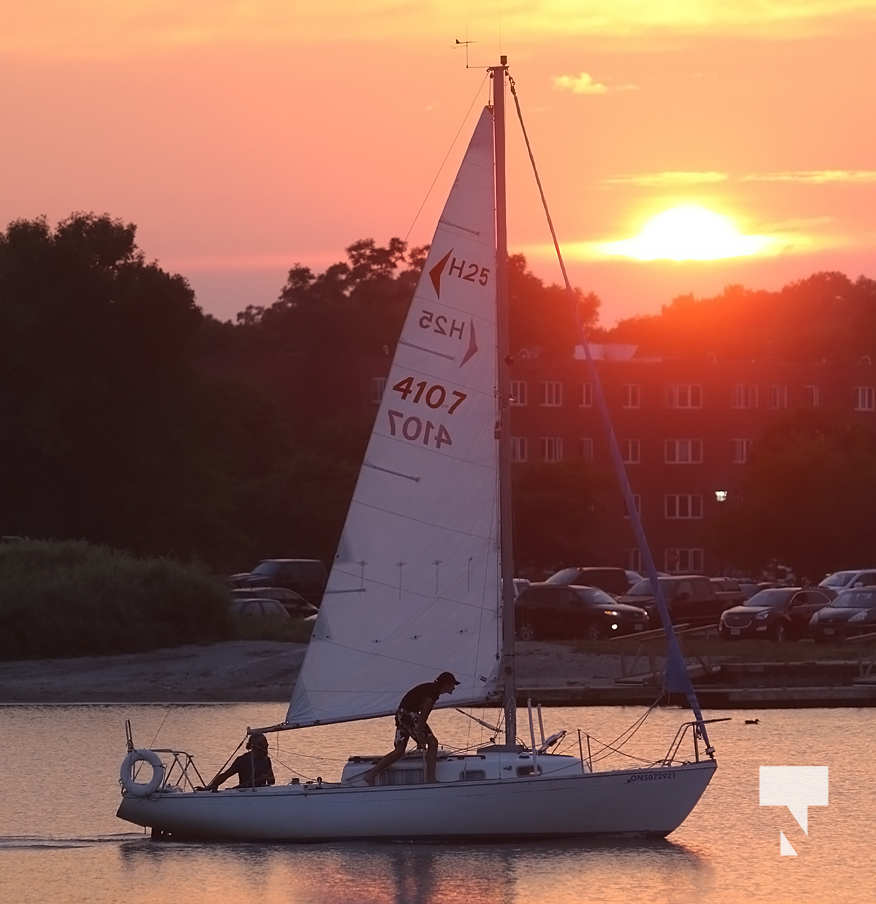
x,y
253,770
421,697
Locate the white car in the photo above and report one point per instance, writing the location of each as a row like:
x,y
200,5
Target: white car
x,y
852,577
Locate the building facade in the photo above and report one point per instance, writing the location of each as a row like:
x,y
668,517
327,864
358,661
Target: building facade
x,y
685,430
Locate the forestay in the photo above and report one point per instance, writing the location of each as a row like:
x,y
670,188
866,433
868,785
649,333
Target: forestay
x,y
414,588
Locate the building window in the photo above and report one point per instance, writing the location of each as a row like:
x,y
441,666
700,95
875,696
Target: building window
x,y
741,451
685,395
586,398
683,451
683,561
632,395
778,396
637,502
683,506
865,399
812,396
519,448
378,384
585,448
634,559
745,395
552,448
518,392
631,450
552,393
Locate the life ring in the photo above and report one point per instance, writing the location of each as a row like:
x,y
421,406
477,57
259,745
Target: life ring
x,y
141,789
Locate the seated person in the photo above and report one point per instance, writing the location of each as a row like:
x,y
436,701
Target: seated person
x,y
253,769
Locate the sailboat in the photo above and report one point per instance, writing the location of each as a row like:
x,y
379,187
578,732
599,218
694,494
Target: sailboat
x,y
422,583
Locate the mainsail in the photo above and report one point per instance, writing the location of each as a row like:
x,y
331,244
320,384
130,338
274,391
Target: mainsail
x,y
414,588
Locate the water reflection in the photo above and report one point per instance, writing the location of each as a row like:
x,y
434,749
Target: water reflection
x,y
397,873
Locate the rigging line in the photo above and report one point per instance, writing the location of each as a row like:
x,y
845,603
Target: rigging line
x,y
441,165
673,647
630,731
161,725
309,778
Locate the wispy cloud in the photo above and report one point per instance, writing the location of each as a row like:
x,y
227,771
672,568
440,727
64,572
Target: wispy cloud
x,y
815,177
669,178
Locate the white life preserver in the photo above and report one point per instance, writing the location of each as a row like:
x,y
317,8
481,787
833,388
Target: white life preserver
x,y
141,789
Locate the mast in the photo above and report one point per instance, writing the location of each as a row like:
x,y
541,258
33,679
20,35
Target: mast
x,y
497,73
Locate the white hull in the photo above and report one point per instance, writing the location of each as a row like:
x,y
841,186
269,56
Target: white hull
x,y
650,801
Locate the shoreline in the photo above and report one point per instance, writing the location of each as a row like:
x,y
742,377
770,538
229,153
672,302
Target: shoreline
x,y
553,674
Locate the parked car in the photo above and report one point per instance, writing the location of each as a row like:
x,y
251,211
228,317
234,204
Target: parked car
x,y
546,611
294,603
611,580
304,576
853,577
748,588
691,599
730,591
779,613
852,612
258,607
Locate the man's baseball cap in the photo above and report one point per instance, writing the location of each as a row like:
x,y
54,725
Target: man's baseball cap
x,y
446,678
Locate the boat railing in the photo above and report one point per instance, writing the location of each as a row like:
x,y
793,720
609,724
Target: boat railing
x,y
181,771
694,727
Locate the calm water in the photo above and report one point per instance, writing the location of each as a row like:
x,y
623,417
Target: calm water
x,y
60,840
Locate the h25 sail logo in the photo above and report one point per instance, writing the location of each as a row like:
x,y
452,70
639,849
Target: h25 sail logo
x,y
796,787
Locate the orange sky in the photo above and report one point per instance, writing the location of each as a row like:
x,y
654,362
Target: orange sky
x,y
243,137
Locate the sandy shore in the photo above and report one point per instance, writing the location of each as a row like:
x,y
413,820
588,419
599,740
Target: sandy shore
x,y
236,671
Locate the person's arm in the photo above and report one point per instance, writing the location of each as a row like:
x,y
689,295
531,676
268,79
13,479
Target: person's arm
x,y
221,777
224,776
271,779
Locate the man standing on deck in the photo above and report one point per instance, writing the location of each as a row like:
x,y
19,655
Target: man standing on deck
x,y
411,722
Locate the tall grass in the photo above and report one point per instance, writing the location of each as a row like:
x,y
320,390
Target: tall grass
x,y
74,599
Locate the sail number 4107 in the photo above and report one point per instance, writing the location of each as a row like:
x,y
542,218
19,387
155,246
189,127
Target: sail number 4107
x,y
415,429
434,396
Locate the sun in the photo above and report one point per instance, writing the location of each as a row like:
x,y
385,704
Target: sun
x,y
688,232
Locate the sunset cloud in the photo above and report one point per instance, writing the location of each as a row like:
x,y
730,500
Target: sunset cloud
x,y
106,28
579,84
669,179
816,177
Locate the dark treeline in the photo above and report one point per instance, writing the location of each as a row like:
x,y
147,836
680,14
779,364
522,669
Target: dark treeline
x,y
823,317
134,420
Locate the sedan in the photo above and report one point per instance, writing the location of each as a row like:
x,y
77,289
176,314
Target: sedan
x,y
294,604
852,612
259,608
779,613
546,611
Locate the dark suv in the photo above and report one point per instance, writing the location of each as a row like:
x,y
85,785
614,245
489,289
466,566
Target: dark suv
x,y
779,613
545,611
304,576
611,580
691,599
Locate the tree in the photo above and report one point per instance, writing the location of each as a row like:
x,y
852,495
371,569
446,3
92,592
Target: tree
x,y
100,405
824,316
807,499
546,317
558,516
